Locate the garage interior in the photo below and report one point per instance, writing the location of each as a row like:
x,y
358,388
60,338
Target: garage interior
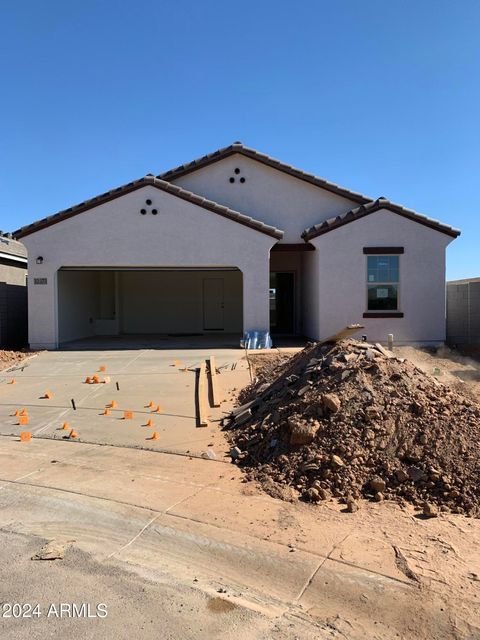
x,y
160,302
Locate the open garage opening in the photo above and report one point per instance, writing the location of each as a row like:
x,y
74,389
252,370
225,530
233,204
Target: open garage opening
x,y
149,307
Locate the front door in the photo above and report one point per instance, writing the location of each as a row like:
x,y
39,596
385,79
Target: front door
x,y
213,304
282,303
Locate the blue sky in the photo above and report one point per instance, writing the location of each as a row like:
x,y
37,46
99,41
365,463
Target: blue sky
x,y
381,96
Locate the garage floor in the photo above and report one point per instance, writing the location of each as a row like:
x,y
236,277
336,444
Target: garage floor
x,y
143,375
152,341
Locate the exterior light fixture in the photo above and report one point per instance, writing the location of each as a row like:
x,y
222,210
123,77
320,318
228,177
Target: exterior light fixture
x,y
39,260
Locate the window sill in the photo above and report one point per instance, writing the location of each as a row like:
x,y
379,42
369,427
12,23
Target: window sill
x,y
383,314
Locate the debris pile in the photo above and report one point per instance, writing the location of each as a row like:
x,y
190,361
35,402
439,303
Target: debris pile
x,y
351,419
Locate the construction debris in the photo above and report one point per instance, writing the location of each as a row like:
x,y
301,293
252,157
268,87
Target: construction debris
x,y
350,420
53,550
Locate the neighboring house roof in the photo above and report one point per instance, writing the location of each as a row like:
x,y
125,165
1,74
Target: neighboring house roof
x,y
372,207
12,249
238,147
159,184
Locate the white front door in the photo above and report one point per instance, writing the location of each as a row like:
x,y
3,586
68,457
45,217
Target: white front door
x,y
213,304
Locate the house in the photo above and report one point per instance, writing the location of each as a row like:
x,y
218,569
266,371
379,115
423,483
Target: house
x,y
13,292
235,241
463,313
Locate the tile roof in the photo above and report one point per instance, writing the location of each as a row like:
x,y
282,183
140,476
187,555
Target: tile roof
x,y
371,207
12,247
238,147
159,184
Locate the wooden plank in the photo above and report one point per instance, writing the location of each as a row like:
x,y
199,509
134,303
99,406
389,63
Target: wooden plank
x,y
214,382
202,396
346,332
384,352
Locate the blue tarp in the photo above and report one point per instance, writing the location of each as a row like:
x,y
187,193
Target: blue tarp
x,y
256,340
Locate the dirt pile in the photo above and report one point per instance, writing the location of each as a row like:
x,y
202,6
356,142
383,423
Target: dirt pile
x,y
351,419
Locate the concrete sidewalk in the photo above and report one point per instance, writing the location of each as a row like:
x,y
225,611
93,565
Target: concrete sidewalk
x,y
195,521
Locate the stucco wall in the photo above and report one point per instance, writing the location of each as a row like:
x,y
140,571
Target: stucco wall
x,y
78,292
311,293
116,234
342,277
268,195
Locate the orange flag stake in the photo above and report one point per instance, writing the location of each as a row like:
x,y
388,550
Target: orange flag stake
x,y
73,434
113,404
95,379
23,420
150,405
128,415
149,422
25,436
88,380
13,381
66,426
106,411
17,412
48,395
23,412
102,367
157,410
154,436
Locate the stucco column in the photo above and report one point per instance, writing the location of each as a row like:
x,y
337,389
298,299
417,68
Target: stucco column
x,y
42,307
256,303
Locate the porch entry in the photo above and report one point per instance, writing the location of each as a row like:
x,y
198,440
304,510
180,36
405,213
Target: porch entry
x,y
282,302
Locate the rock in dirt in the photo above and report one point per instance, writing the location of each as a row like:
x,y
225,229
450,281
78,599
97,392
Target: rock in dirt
x,y
332,402
352,505
430,510
301,432
377,484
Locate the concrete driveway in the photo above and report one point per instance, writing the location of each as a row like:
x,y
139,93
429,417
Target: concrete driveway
x,y
142,376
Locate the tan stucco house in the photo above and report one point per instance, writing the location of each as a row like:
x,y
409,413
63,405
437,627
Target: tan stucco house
x,y
231,242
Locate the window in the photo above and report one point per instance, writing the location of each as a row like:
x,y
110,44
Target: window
x,y
382,283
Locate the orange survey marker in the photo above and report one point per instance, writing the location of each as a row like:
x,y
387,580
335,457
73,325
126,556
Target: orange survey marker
x,y
73,434
48,395
128,415
25,436
106,411
17,413
23,420
149,423
157,409
102,367
106,379
23,412
113,404
95,379
13,381
88,380
65,426
150,405
154,436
